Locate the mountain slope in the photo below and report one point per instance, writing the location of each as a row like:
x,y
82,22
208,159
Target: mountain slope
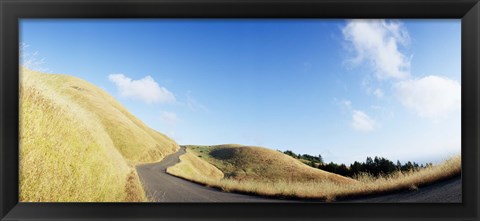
x,y
77,144
261,164
259,171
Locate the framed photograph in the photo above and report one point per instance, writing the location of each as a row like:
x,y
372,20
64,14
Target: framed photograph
x,y
239,110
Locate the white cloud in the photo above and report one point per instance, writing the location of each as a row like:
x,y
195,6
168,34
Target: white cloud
x,y
145,89
31,60
169,117
362,122
433,97
377,42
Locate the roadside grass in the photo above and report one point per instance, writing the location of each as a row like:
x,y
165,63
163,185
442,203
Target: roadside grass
x,y
133,188
318,189
74,145
192,166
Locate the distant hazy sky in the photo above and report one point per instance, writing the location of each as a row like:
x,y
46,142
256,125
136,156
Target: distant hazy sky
x,y
341,88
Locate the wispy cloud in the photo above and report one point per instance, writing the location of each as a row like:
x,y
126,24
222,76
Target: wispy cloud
x,y
377,42
31,60
145,89
432,97
169,118
378,93
347,104
194,105
362,122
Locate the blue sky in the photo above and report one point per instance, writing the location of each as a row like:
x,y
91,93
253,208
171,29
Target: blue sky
x,y
346,89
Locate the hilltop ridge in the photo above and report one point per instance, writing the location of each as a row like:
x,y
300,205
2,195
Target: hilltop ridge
x,y
78,144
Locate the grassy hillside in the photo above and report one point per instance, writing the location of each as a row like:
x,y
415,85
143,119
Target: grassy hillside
x,y
262,164
192,166
77,144
266,172
256,170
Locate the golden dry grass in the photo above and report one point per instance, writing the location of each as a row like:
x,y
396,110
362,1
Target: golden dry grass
x,y
261,164
192,166
136,141
77,144
323,189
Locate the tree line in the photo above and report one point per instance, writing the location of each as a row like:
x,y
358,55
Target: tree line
x,y
377,166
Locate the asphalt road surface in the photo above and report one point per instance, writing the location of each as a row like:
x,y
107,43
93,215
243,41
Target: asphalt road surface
x,y
163,187
448,191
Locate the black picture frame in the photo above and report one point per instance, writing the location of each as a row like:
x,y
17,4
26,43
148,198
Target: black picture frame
x,y
13,10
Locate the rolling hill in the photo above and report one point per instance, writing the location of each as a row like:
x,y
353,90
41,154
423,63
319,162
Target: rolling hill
x,y
258,171
78,144
261,164
261,171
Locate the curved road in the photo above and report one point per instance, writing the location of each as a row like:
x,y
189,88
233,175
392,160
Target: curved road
x,y
447,191
163,187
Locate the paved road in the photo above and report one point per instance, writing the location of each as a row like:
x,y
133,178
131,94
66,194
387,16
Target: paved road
x,y
445,191
163,187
